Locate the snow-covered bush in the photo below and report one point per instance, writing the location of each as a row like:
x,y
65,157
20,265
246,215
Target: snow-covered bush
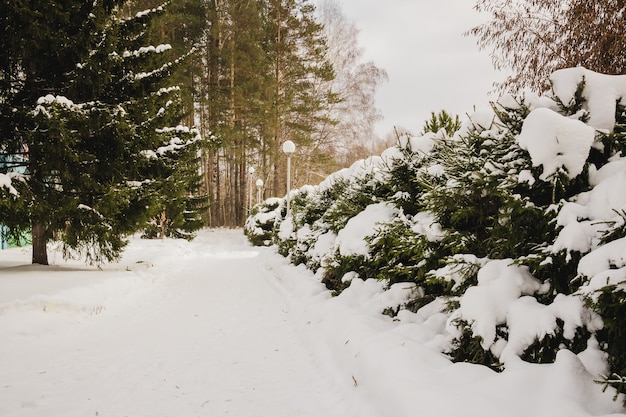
x,y
517,222
261,224
309,206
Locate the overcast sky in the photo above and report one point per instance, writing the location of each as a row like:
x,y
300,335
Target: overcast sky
x,y
431,65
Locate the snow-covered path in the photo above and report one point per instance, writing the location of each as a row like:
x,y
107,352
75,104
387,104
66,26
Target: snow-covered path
x,y
216,327
213,338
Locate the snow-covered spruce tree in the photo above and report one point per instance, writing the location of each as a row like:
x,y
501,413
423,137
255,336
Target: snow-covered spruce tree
x,y
369,186
572,142
601,215
308,207
442,120
156,108
318,214
514,222
324,210
40,46
408,247
93,119
180,203
491,205
310,223
262,224
470,181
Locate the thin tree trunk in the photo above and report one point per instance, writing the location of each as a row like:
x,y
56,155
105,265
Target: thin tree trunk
x,y
214,179
242,187
277,121
219,209
210,186
232,190
233,185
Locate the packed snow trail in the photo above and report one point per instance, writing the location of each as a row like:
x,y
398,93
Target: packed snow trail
x,y
213,337
216,327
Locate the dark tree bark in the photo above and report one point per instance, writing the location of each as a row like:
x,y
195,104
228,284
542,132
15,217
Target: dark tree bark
x,y
40,239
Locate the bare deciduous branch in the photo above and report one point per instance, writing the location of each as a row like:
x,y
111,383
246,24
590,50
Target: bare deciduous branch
x,y
532,38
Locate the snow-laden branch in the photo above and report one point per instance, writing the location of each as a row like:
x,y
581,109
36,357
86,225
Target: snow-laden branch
x,y
174,144
50,100
167,90
165,67
135,185
176,129
147,50
91,209
5,182
602,92
147,12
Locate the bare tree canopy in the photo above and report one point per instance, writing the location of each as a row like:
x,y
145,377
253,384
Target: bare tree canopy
x,y
529,39
355,84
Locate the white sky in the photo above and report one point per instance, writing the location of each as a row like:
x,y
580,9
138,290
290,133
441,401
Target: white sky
x,y
431,65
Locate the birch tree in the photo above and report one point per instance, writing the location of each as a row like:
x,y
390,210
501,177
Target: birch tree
x,y
353,111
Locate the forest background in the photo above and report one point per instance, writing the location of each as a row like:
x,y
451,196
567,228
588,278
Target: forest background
x,y
265,72
104,134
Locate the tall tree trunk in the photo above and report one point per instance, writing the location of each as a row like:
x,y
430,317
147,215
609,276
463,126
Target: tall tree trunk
x,y
277,109
40,251
213,115
242,187
233,185
210,188
219,209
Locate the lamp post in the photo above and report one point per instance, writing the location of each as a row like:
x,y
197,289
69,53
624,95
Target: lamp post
x,y
259,187
288,148
250,174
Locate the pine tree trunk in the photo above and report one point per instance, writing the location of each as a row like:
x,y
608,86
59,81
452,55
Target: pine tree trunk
x,y
214,90
277,109
210,188
40,252
232,202
219,213
232,190
241,189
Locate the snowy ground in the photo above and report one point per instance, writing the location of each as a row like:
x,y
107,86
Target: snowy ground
x,y
215,327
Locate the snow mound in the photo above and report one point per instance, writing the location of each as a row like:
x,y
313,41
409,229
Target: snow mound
x,y
601,91
351,239
556,142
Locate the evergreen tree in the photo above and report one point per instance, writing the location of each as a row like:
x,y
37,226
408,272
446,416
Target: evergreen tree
x,y
181,201
442,120
247,68
40,45
182,26
482,217
296,48
89,105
